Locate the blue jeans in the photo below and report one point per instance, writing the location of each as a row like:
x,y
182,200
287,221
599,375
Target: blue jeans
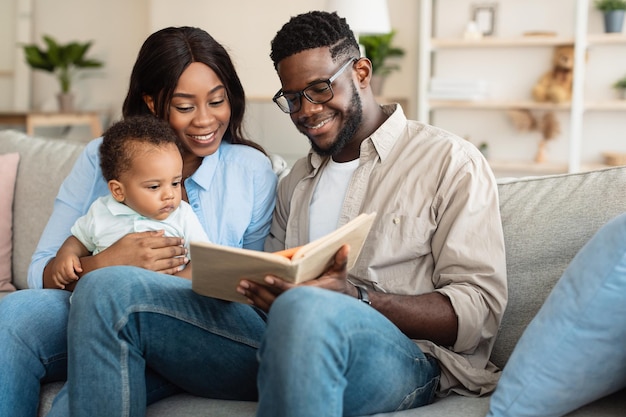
x,y
33,347
124,318
33,342
327,354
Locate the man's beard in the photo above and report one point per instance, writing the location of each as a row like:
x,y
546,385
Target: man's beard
x,y
353,119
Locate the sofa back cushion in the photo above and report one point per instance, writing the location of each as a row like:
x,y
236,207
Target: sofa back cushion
x,y
8,173
43,165
546,220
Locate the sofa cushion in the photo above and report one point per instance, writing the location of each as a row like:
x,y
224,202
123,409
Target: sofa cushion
x,y
572,352
546,220
44,163
8,172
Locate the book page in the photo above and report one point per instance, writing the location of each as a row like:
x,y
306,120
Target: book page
x,y
352,233
217,269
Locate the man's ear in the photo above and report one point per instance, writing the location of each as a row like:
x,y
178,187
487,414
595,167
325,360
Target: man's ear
x,y
117,190
363,71
149,102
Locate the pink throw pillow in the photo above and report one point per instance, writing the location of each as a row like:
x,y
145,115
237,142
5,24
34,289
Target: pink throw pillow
x,y
8,174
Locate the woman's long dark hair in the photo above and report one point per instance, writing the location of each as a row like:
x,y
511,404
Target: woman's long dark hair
x,y
162,59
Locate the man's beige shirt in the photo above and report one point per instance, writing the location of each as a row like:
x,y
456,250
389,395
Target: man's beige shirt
x,y
438,229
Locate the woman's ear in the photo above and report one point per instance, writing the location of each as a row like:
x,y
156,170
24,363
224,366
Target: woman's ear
x,y
117,190
149,102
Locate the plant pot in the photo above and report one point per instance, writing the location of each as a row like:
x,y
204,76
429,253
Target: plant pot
x,y
613,21
376,83
66,102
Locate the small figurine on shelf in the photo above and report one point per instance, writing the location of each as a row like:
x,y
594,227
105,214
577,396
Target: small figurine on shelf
x,y
556,84
548,126
472,32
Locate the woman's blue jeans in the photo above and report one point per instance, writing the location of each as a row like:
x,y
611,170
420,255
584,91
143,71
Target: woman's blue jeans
x,y
33,341
322,353
33,345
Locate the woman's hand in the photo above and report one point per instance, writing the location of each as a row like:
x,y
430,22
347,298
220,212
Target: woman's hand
x,y
335,278
149,250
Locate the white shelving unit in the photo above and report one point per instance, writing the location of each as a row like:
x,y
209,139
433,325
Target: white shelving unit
x,y
582,39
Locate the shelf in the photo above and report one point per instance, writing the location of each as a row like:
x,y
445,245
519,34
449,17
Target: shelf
x,y
526,168
32,120
610,105
450,47
496,105
489,42
606,39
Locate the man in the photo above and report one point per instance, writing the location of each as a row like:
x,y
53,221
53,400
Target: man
x,y
419,312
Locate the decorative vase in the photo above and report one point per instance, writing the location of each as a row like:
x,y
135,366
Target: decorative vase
x,y
376,83
66,102
613,21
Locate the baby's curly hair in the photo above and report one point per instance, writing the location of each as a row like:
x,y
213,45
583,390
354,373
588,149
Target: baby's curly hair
x,y
121,140
314,30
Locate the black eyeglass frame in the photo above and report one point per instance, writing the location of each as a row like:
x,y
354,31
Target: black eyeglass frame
x,y
297,96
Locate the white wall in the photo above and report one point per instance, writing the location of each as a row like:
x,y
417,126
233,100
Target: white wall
x,y
245,27
7,56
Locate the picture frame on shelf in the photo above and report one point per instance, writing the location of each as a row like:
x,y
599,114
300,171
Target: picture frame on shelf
x,y
485,17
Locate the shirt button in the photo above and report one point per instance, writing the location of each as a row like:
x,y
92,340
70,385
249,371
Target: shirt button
x,y
396,220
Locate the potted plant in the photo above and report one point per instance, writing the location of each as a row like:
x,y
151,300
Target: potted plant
x,y
64,60
613,11
378,49
620,86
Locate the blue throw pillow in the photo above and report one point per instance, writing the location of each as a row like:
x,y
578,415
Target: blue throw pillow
x,y
574,351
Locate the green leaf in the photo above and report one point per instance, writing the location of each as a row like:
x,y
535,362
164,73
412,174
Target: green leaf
x,y
609,5
37,59
378,49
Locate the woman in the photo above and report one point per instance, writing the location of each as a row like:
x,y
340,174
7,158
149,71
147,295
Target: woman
x,y
184,76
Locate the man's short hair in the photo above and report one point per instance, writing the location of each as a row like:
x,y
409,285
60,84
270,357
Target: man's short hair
x,y
314,30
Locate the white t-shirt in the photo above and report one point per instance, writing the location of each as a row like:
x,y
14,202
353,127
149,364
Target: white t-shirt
x,y
328,197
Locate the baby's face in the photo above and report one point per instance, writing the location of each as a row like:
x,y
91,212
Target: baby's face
x,y
152,187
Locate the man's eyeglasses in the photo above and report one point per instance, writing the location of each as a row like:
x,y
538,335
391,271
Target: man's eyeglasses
x,y
319,92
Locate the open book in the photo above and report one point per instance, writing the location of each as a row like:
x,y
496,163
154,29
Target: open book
x,y
217,269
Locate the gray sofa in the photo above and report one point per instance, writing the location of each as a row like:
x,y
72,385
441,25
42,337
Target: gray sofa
x,y
546,220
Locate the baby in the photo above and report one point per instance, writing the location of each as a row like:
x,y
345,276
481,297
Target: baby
x,y
142,165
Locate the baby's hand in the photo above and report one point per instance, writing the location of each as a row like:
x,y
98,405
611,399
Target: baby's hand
x,y
66,271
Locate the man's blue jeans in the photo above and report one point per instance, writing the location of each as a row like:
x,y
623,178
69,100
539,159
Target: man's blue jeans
x,y
345,358
327,354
